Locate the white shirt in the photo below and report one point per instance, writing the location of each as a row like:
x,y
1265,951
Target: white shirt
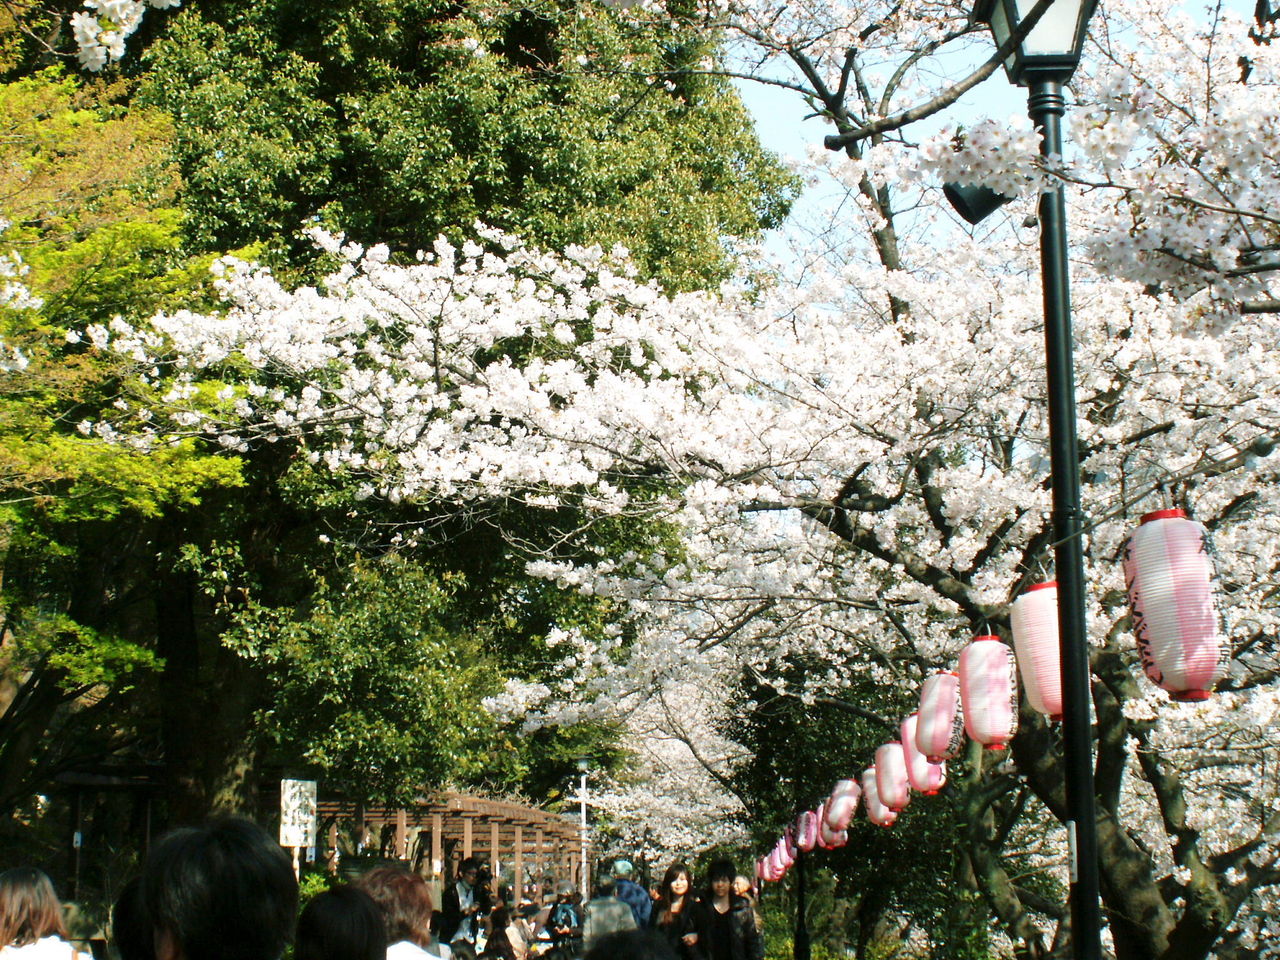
x,y
404,950
48,948
466,900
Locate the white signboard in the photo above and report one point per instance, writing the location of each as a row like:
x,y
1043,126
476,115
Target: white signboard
x,y
297,813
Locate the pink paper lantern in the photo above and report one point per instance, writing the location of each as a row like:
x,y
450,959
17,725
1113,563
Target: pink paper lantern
x,y
940,731
989,692
877,812
824,832
789,844
776,870
775,865
892,786
1034,621
806,831
842,804
785,858
1168,569
926,777
831,839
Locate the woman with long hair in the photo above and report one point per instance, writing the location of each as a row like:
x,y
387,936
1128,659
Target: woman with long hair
x,y
405,903
31,926
678,916
731,931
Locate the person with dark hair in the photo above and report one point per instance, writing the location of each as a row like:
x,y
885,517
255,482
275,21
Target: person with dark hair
x,y
130,929
31,925
730,925
342,923
462,904
405,904
221,891
632,945
500,945
677,916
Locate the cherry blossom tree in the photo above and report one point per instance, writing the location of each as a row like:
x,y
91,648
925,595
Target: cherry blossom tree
x,y
850,473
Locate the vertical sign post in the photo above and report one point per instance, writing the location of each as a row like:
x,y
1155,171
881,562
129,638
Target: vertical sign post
x,y
297,817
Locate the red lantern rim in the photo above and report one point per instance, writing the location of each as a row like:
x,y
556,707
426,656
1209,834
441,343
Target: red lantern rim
x,y
1190,696
996,747
1164,514
1043,586
986,636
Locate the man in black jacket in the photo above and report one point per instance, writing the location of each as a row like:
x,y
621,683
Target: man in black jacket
x,y
731,931
462,904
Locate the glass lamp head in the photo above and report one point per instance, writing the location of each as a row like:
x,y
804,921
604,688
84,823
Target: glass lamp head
x,y
1052,49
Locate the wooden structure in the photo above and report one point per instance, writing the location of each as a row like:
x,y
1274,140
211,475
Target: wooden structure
x,y
435,835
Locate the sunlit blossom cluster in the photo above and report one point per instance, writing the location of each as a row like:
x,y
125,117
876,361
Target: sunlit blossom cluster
x,y
103,26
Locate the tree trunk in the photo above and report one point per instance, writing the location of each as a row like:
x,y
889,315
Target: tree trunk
x,y
207,702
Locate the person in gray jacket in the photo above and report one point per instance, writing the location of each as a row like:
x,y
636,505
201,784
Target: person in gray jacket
x,y
605,914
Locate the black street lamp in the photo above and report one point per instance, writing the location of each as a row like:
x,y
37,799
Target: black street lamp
x,y
801,949
1043,62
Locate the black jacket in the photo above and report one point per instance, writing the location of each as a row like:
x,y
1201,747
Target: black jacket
x,y
745,942
690,919
451,910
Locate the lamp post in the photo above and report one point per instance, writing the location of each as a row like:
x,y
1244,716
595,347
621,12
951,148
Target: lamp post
x,y
584,879
1043,62
801,947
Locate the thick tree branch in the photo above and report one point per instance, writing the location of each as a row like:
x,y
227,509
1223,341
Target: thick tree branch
x,y
947,97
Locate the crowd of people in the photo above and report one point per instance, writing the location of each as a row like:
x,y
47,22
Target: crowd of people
x,y
719,925
227,891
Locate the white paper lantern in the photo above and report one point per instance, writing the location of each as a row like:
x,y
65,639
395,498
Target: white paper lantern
x,y
1034,622
926,777
877,812
940,730
806,831
1168,568
831,839
989,692
842,804
892,786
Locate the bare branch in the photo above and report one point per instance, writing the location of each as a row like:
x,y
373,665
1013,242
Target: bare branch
x,y
948,96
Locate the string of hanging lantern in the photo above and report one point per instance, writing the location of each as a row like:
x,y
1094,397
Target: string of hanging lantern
x,y
1181,638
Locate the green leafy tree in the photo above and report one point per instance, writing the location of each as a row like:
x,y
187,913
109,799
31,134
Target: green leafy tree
x,y
397,120
246,587
84,184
